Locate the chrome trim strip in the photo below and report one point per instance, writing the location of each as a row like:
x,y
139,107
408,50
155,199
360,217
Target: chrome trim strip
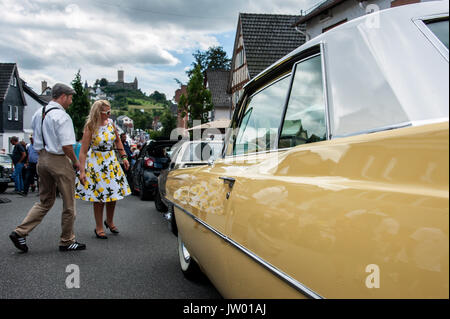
x,y
426,31
396,126
325,90
280,274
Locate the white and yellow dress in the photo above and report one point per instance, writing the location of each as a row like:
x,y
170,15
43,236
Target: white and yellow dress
x,y
105,179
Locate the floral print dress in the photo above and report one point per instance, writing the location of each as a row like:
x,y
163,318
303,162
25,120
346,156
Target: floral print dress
x,y
105,179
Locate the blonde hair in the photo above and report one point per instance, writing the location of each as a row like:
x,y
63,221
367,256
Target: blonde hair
x,y
94,115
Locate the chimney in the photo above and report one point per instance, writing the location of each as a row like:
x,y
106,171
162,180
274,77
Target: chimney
x,y
120,76
43,86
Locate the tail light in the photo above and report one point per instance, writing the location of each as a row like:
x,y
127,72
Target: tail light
x,y
149,162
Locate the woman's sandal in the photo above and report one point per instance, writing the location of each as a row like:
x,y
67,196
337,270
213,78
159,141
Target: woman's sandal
x,y
113,230
100,234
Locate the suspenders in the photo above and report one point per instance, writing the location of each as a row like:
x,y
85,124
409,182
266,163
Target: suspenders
x,y
44,113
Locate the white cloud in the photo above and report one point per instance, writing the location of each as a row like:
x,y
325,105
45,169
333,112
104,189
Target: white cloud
x,y
152,40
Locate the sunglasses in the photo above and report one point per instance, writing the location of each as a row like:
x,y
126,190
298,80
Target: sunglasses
x,y
106,112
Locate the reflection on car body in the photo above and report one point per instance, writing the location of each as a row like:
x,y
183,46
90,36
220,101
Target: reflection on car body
x,y
185,155
351,170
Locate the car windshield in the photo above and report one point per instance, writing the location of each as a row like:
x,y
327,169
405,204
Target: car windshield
x,y
201,152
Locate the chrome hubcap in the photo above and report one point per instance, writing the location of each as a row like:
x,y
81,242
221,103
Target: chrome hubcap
x,y
186,254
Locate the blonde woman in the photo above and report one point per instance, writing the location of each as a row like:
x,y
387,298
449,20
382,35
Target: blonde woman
x,y
101,179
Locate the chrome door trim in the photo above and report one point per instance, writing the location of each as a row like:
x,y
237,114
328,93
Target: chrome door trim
x,y
280,274
326,96
420,23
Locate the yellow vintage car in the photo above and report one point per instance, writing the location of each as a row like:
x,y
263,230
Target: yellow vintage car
x,y
334,180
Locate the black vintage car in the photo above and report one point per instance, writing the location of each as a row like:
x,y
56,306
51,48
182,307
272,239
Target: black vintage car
x,y
151,161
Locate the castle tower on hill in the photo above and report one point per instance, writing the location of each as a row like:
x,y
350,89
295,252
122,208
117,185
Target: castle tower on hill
x,y
121,82
120,76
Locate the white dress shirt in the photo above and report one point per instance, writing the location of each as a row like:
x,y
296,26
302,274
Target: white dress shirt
x,y
57,127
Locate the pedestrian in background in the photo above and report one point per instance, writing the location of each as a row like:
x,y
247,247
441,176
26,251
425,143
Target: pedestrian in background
x,y
19,158
53,138
126,147
31,175
25,166
101,179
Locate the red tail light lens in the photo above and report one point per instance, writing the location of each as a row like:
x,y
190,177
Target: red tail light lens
x,y
149,162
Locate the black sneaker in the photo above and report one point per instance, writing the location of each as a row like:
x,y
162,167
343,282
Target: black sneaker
x,y
72,247
19,241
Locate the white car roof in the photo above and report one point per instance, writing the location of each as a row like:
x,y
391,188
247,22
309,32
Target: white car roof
x,y
382,70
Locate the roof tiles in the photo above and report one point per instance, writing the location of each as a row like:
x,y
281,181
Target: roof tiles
x,y
267,38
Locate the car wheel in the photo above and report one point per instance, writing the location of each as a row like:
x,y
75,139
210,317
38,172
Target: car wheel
x,y
188,266
159,204
3,187
143,194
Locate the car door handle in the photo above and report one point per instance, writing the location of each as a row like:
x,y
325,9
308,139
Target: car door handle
x,y
228,180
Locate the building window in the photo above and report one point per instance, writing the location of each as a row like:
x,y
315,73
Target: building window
x,y
13,81
10,110
239,59
16,113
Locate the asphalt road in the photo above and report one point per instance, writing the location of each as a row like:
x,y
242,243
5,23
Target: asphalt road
x,y
140,262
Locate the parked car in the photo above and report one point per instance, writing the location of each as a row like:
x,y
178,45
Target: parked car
x,y
151,161
187,154
6,171
351,197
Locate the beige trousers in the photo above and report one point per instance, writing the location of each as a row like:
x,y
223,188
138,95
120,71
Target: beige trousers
x,y
54,171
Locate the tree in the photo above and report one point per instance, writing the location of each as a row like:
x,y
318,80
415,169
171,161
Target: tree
x,y
158,97
197,103
169,122
103,82
217,59
214,58
141,120
80,107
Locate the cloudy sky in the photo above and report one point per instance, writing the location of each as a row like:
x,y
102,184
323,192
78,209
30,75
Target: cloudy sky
x,y
152,40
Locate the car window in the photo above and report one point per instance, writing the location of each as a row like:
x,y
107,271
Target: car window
x,y
305,115
262,118
201,152
157,150
440,30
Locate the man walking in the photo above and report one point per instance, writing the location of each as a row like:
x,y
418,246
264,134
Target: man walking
x,y
18,157
53,138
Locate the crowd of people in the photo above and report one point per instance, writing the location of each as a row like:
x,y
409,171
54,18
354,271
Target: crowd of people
x,y
25,159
